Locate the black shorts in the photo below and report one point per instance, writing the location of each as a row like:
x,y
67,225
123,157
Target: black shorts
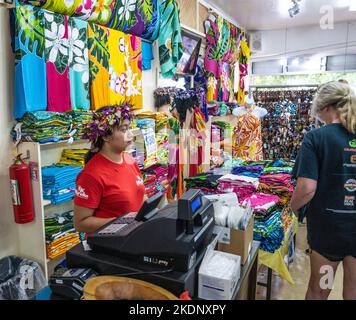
x,y
331,257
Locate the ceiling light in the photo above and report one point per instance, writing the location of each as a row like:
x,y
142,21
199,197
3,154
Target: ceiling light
x,y
352,6
295,9
295,62
283,61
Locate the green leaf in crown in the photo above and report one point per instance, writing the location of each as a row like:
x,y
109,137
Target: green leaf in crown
x,y
29,28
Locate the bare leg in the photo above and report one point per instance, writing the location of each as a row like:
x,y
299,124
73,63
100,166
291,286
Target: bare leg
x,y
349,264
322,275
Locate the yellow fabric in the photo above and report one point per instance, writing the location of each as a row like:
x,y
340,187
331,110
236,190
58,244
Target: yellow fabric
x,y
117,43
60,6
275,260
99,88
245,50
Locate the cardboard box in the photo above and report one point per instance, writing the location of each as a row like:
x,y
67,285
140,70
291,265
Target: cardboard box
x,y
237,242
213,287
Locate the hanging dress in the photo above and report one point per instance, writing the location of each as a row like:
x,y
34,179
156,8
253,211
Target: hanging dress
x,y
248,137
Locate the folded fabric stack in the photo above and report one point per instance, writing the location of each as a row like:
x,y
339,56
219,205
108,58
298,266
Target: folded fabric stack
x,y
232,163
79,119
155,180
73,157
59,182
146,144
269,232
48,126
279,166
42,127
161,118
253,171
207,182
261,202
60,234
277,184
243,186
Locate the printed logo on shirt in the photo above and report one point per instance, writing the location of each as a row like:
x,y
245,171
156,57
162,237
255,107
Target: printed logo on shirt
x,y
139,181
350,185
353,159
80,192
349,201
352,143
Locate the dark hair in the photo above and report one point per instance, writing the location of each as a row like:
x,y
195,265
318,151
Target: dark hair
x,y
97,146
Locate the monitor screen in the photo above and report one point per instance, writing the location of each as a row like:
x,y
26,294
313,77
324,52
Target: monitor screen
x,y
191,49
196,204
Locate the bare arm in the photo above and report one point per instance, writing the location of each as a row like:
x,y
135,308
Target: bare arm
x,y
303,193
84,221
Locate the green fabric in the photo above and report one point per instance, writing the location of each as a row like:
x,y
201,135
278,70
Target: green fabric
x,y
170,38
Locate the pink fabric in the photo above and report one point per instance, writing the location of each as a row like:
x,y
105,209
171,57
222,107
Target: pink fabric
x,y
261,199
58,89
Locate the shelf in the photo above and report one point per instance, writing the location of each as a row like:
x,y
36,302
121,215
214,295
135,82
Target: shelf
x,y
63,142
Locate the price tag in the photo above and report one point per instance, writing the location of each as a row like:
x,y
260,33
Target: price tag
x,y
150,141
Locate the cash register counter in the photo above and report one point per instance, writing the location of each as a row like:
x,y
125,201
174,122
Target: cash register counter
x,y
245,288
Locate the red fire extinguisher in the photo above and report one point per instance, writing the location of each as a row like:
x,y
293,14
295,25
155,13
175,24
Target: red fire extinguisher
x,y
21,190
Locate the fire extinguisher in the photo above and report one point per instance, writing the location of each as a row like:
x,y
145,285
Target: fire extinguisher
x,y
21,190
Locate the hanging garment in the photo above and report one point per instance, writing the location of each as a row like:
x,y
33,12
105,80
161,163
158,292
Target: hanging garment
x,y
79,63
248,137
138,18
147,55
67,7
133,63
244,60
30,67
57,62
102,11
99,65
118,47
170,38
84,9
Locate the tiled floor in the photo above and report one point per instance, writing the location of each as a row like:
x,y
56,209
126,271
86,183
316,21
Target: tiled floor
x,y
300,271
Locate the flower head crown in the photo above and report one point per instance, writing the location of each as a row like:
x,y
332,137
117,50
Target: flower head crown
x,y
105,120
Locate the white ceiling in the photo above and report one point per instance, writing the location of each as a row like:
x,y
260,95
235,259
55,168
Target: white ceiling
x,y
273,14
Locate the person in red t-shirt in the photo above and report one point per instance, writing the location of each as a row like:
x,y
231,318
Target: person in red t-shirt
x,y
111,183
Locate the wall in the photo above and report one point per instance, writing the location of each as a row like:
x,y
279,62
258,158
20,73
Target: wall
x,y
306,40
8,229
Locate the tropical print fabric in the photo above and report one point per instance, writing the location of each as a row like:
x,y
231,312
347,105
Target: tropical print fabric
x,y
99,65
248,138
102,11
78,63
30,67
170,38
57,62
221,54
115,67
137,17
244,60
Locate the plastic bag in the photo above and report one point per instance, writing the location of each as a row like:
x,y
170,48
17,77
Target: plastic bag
x,y
20,279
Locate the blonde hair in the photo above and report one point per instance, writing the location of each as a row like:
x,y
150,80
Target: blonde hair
x,y
342,98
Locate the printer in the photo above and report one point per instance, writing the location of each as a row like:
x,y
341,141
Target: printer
x,y
163,246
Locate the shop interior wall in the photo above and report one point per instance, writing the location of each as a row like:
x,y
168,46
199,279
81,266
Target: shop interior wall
x,y
8,228
307,40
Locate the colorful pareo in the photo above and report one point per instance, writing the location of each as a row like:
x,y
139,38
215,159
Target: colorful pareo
x,y
248,138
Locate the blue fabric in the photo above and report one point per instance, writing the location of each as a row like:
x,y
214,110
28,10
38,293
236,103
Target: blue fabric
x,y
30,70
147,55
79,91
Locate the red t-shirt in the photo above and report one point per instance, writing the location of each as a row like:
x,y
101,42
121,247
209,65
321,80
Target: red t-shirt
x,y
111,189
